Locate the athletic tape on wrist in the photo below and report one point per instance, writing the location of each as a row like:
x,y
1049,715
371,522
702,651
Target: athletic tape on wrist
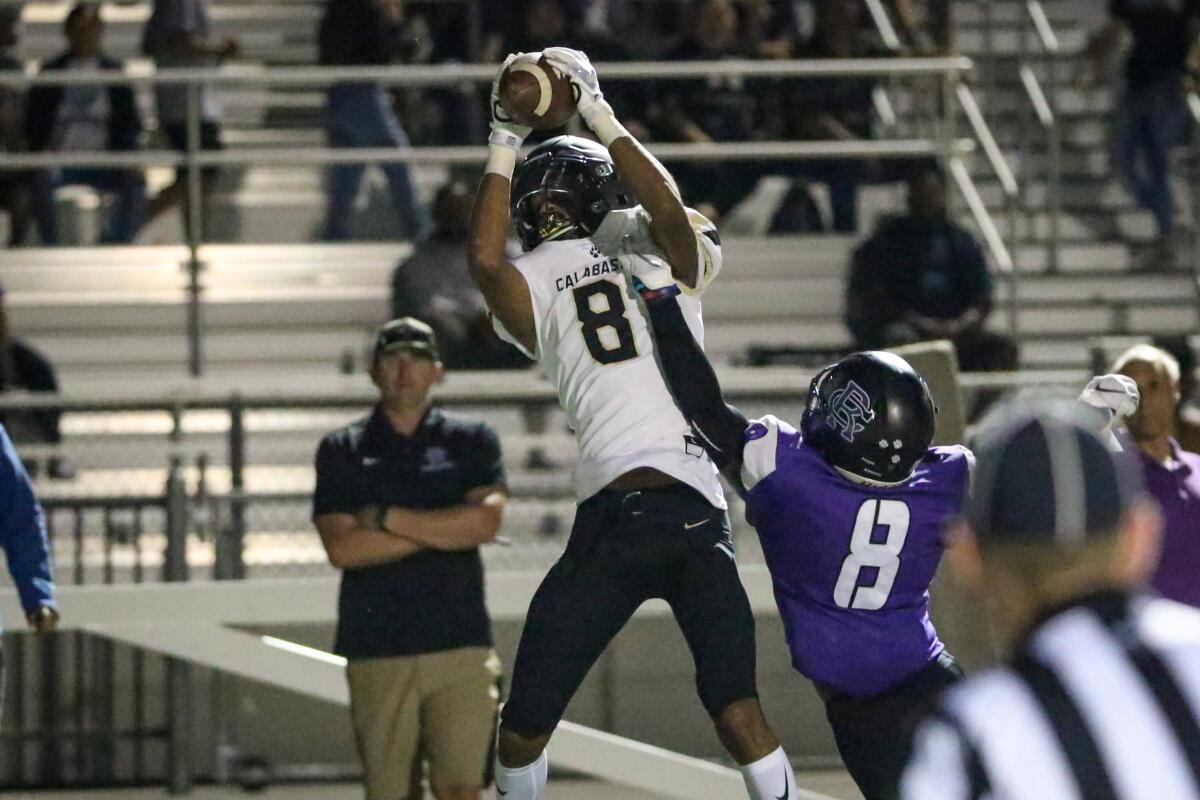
x,y
607,128
502,160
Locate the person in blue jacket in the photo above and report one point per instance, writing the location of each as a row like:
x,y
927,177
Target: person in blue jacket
x,y
23,539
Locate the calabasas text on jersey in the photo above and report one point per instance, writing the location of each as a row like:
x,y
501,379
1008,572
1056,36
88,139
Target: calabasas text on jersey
x,y
593,271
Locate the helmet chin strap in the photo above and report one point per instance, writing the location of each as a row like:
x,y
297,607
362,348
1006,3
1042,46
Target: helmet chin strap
x,y
868,481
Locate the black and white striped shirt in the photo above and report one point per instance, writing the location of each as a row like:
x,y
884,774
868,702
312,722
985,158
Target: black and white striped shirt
x,y
1102,703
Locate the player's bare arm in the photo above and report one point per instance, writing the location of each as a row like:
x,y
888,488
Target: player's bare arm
x,y
503,286
351,544
652,186
461,527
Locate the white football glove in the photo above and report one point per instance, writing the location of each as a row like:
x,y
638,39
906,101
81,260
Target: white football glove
x,y
1115,396
579,70
505,131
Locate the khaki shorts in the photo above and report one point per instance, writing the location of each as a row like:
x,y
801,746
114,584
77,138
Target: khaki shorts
x,y
437,708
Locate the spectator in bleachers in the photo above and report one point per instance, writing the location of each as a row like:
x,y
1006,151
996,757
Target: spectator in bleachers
x,y
1152,115
179,34
718,109
1172,475
363,33
24,368
404,499
15,197
830,109
434,285
548,23
922,277
69,119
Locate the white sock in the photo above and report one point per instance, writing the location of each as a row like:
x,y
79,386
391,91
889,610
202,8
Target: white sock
x,y
522,783
770,778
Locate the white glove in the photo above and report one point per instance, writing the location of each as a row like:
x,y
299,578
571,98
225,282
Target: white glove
x,y
1116,394
505,131
579,70
1116,397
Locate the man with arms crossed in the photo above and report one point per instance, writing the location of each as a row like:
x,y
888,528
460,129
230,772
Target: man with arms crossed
x,y
404,498
651,520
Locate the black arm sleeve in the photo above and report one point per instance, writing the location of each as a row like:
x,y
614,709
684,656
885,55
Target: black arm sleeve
x,y
693,383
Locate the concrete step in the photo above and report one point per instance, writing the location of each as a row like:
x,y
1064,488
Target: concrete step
x,y
1095,257
283,348
1007,41
967,15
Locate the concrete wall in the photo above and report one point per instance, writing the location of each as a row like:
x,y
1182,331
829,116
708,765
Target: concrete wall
x,y
642,688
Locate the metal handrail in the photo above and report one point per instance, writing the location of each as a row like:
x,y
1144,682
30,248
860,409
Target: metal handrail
x,y
461,388
983,132
1002,254
457,74
1193,102
722,151
883,23
1045,105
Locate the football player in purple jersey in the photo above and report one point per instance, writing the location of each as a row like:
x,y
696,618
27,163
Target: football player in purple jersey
x,y
850,510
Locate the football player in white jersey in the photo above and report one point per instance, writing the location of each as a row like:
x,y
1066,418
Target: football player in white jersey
x,y
651,520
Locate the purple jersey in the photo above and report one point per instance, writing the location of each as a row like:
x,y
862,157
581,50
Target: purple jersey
x,y
851,563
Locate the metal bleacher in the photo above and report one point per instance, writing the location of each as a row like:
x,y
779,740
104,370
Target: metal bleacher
x,y
297,317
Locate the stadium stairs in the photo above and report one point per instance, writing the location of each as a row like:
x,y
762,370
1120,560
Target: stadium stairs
x,y
1098,301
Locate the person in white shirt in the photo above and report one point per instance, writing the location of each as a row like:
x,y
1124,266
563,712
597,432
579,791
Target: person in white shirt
x,y
86,119
651,520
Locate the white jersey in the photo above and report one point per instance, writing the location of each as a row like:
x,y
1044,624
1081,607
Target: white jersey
x,y
594,343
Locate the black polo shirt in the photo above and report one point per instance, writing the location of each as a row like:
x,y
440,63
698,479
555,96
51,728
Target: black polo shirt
x,y
431,601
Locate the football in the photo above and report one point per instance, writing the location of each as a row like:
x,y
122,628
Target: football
x,y
536,94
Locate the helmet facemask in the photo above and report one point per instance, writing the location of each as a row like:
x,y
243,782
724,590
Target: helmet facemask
x,y
563,191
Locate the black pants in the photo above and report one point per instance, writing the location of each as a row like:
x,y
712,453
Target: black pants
x,y
625,548
874,734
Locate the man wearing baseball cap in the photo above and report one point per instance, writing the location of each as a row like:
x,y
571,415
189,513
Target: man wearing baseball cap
x,y
1100,697
404,498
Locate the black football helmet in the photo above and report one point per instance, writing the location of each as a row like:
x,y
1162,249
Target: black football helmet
x,y
870,415
563,190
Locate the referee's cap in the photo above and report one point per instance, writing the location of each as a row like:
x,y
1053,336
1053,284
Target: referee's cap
x,y
1045,475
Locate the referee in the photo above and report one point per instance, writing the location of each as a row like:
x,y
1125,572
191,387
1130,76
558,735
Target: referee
x,y
1101,697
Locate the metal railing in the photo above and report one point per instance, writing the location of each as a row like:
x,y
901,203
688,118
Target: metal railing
x,y
1037,105
84,710
944,143
1193,102
1036,24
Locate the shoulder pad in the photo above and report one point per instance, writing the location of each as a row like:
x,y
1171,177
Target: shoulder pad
x,y
762,443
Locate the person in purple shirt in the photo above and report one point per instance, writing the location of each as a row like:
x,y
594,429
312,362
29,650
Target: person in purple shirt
x,y
1172,475
850,511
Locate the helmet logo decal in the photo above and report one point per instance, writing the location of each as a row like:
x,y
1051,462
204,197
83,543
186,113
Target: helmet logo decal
x,y
850,410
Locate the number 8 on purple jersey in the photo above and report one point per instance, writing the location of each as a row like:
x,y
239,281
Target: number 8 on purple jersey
x,y
851,562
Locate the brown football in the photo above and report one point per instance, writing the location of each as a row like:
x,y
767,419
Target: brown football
x,y
536,94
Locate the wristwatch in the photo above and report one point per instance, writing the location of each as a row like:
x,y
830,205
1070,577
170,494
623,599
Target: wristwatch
x,y
381,515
